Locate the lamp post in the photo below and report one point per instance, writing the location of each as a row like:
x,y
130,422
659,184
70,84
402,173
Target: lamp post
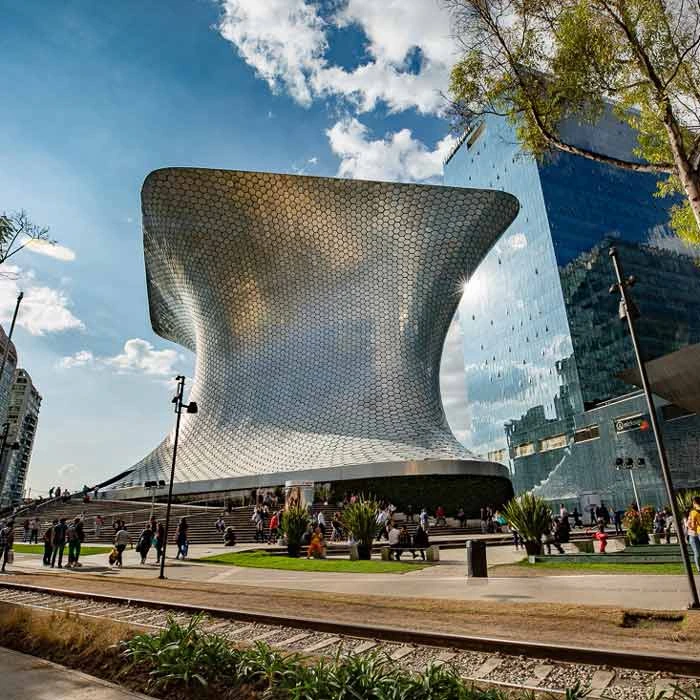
x,y
9,335
628,464
629,312
191,407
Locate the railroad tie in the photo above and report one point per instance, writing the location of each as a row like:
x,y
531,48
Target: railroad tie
x,y
402,651
539,673
599,682
362,648
330,641
292,640
443,657
236,632
487,667
266,635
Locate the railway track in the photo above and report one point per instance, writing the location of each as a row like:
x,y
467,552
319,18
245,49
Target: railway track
x,y
535,666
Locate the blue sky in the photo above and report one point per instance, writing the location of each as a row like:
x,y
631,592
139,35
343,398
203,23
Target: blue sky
x,y
99,94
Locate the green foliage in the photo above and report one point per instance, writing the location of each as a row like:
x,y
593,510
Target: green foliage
x,y
267,560
638,525
684,500
182,656
295,520
540,62
360,518
530,516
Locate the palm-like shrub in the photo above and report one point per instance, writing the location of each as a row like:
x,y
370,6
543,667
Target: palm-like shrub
x,y
295,520
360,518
531,517
684,500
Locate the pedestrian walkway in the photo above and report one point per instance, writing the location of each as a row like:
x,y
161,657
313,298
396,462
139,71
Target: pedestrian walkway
x,y
25,677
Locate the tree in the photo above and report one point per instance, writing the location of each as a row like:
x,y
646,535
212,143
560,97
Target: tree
x,y
538,62
17,232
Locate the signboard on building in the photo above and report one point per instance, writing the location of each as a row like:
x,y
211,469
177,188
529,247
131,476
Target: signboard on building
x,y
625,424
298,493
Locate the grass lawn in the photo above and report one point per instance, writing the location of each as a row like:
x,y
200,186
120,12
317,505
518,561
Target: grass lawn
x,y
605,568
39,549
265,560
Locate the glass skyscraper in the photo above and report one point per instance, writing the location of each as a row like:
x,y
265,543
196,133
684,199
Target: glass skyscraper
x,y
543,343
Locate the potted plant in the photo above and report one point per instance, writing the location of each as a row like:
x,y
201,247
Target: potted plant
x,y
531,517
360,519
295,520
638,525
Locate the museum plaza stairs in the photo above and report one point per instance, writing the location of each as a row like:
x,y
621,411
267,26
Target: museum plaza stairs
x,y
201,519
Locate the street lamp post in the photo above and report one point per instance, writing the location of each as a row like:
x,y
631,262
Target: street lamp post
x,y
628,311
9,335
628,464
191,407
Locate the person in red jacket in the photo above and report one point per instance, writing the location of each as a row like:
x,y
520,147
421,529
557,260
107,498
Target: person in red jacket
x,y
274,527
601,536
440,516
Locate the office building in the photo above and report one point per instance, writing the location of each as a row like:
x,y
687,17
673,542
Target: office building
x,y
23,417
544,344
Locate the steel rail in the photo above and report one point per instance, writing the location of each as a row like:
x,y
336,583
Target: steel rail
x,y
667,663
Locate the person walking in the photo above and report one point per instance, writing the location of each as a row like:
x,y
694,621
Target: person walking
x,y
274,527
121,539
420,541
440,516
144,543
693,526
181,538
7,539
25,528
99,522
48,543
59,543
159,539
73,537
34,531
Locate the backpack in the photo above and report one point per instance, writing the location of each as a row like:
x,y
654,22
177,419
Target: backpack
x,y
72,533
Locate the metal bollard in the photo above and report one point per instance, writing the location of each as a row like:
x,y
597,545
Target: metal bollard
x,y
476,559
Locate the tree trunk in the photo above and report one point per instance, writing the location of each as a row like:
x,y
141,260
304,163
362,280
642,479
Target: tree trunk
x,y
690,180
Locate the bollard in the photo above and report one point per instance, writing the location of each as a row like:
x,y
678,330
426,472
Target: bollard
x,y
476,559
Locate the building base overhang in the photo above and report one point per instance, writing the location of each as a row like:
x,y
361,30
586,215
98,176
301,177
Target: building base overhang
x,y
350,472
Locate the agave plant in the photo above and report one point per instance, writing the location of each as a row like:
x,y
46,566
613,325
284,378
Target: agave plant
x,y
360,518
531,517
295,520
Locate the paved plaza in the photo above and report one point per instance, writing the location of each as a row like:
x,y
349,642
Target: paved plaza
x,y
25,676
446,580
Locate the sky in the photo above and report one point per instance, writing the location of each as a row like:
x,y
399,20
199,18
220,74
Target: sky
x,y
97,95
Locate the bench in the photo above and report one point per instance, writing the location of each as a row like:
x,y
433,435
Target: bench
x,y
432,552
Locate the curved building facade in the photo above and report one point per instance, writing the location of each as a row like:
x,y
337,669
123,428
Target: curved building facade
x,y
317,309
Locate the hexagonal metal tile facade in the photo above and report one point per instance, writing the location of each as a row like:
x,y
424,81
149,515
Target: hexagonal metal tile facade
x,y
317,309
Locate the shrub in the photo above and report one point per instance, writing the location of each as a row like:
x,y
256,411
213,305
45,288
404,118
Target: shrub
x,y
181,654
638,525
531,517
360,519
295,520
684,500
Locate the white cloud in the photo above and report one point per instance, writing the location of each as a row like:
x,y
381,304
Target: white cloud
x,y
43,309
78,359
67,469
285,41
312,161
60,252
140,356
397,157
